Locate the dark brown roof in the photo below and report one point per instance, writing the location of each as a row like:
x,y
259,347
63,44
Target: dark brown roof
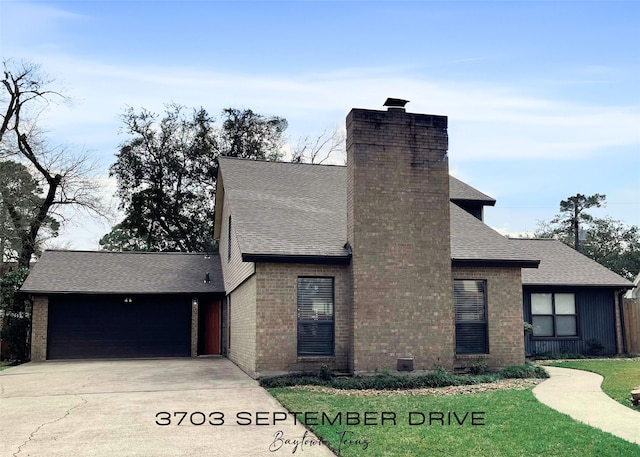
x,y
461,191
472,240
561,265
286,209
124,272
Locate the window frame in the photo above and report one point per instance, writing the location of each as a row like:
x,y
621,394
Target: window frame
x,y
330,325
229,238
554,316
485,350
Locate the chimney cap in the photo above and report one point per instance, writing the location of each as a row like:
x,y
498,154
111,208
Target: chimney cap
x,y
395,102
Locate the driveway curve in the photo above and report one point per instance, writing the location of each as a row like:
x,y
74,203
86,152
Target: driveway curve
x,y
160,408
577,393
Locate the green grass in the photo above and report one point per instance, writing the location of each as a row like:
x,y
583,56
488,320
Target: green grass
x,y
5,365
620,376
516,424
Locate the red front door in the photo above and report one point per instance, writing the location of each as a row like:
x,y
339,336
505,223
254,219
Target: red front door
x,y
212,328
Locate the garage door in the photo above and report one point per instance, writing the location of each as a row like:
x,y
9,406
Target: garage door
x,y
101,327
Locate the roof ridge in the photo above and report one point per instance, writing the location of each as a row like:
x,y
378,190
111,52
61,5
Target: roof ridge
x,y
282,162
88,251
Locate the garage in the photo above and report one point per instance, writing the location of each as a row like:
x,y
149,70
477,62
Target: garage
x,y
87,327
100,304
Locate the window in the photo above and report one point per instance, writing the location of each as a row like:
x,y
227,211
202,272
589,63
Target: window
x,y
471,316
554,315
229,242
315,316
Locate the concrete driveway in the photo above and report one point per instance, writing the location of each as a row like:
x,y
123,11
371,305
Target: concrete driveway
x,y
111,408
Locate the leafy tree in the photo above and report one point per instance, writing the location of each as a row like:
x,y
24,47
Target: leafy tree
x,y
572,214
167,171
607,241
250,135
17,314
62,178
614,245
20,199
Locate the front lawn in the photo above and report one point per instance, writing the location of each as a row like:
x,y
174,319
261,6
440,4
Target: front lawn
x,y
621,376
513,422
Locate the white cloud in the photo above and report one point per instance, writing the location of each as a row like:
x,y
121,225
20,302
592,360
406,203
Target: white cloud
x,y
487,122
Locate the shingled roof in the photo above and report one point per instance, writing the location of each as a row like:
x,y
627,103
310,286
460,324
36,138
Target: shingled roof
x,y
59,272
561,265
287,209
463,192
299,210
474,241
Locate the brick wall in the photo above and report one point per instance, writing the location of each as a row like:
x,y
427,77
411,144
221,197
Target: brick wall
x,y
277,318
242,318
398,226
504,313
40,321
194,327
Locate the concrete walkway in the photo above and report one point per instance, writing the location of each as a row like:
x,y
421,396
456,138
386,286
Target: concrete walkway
x,y
578,394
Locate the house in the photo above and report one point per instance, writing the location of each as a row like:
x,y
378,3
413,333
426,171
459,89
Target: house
x,y
383,264
573,302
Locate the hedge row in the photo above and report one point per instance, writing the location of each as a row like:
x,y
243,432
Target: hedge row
x,y
439,378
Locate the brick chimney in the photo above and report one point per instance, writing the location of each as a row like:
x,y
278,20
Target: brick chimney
x,y
398,229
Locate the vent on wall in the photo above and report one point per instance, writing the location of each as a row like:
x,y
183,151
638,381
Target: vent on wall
x,y
405,364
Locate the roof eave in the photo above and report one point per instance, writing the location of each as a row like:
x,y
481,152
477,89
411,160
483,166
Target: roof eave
x,y
298,258
554,284
520,263
472,200
119,292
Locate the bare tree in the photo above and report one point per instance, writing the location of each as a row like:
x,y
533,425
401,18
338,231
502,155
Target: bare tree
x,y
65,178
318,149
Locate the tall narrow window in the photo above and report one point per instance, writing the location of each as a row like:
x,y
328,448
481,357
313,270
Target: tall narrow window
x,y
471,316
315,317
554,315
229,242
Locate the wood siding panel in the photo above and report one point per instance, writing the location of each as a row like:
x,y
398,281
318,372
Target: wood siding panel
x,y
596,321
242,326
234,270
631,312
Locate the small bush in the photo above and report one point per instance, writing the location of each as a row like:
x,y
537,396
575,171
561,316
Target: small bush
x,y
594,347
527,370
558,356
480,367
325,373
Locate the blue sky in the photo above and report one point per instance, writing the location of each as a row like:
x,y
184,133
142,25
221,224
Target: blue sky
x,y
543,97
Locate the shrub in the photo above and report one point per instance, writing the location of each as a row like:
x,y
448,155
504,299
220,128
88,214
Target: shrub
x,y
479,367
594,347
527,370
17,314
